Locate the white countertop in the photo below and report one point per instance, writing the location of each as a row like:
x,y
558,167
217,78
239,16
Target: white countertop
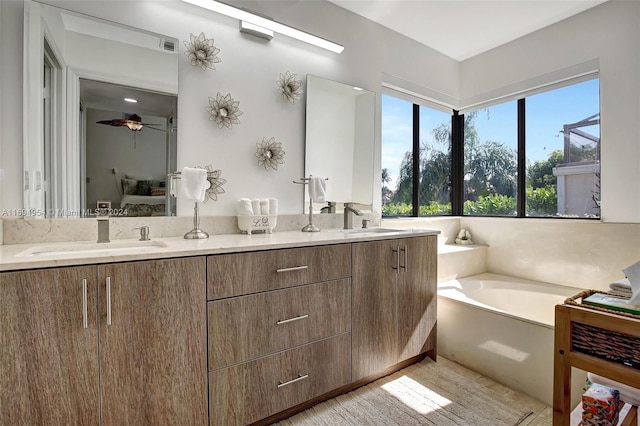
x,y
45,255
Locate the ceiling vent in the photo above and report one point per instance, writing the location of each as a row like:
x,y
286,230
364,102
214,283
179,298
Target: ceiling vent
x,y
168,45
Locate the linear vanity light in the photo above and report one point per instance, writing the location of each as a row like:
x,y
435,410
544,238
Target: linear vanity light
x,y
265,23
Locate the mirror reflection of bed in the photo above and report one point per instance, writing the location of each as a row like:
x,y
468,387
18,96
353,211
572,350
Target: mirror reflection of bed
x,y
128,167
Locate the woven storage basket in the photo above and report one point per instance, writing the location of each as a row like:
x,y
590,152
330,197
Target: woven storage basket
x,y
606,344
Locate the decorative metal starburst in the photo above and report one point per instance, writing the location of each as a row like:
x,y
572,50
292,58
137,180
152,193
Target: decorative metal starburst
x,y
289,87
215,183
224,110
201,52
270,153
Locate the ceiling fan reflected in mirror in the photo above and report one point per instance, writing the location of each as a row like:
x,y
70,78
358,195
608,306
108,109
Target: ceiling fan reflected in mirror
x,y
131,121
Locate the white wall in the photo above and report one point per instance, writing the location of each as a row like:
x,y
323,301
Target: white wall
x,y
610,33
249,70
577,253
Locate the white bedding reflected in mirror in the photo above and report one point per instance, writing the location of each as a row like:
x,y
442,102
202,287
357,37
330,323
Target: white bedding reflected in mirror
x,y
340,139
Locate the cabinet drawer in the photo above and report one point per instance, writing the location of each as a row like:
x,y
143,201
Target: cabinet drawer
x,y
244,273
246,327
248,392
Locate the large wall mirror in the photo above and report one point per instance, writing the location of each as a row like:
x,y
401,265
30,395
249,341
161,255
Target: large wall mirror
x,y
340,139
83,141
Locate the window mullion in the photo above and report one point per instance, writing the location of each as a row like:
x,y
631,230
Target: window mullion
x,y
457,164
416,161
522,162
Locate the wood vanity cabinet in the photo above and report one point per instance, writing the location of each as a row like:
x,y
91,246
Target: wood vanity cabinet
x,y
283,334
394,302
140,354
49,368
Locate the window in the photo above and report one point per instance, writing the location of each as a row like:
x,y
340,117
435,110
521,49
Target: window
x,y
491,160
537,156
563,152
406,126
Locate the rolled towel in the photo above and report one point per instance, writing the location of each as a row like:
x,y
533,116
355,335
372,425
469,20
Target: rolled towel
x,y
273,206
244,206
193,183
255,206
317,189
264,206
627,393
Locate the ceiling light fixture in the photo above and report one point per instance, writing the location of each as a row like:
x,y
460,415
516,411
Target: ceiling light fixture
x,y
265,23
255,30
131,100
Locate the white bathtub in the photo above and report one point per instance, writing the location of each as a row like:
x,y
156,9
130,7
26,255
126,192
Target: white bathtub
x,y
502,327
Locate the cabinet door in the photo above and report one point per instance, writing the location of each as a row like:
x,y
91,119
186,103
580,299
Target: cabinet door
x,y
417,296
375,317
153,351
48,359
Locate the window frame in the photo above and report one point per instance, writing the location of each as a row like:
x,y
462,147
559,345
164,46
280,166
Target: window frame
x,y
457,157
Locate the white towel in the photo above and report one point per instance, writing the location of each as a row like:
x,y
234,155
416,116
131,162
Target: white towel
x,y
273,206
244,206
255,206
633,275
622,287
317,189
193,183
264,206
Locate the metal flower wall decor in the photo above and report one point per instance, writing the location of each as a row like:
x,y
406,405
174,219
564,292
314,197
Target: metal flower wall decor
x,y
270,153
215,183
201,52
289,87
224,110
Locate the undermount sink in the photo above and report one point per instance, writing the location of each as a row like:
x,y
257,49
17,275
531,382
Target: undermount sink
x,y
373,231
91,248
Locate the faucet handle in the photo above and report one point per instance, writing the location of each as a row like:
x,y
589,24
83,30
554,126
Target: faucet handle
x,y
365,223
144,233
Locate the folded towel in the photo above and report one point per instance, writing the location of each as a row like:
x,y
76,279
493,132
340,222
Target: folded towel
x,y
255,206
317,189
273,206
622,287
244,206
627,393
193,183
264,206
633,274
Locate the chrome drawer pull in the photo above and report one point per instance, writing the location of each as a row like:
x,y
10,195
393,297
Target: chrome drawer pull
x,y
404,251
108,300
85,322
294,268
300,377
292,319
397,266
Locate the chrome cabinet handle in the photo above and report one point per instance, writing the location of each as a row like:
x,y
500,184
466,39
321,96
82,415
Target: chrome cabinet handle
x,y
294,268
397,266
297,379
292,319
85,320
108,300
404,255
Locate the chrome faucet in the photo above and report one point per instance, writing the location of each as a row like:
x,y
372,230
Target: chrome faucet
x,y
102,214
348,218
144,233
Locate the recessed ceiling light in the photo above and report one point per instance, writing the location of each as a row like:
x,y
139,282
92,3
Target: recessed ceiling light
x,y
133,101
357,88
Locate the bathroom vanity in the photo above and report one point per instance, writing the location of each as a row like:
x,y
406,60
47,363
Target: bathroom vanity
x,y
229,331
